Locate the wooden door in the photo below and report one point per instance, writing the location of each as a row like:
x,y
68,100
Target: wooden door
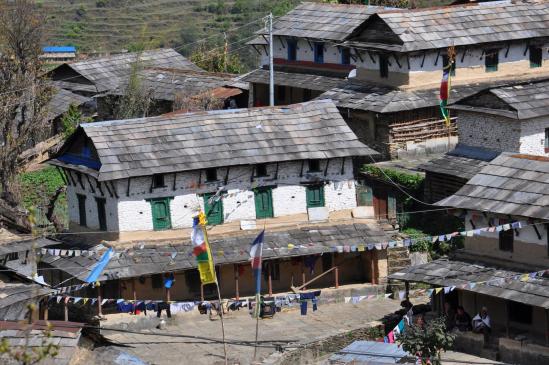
x,y
380,204
161,214
263,203
315,196
213,209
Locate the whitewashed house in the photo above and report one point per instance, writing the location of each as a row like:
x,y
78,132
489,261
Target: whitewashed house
x,y
246,164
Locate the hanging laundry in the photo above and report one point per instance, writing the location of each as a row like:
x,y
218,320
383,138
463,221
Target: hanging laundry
x,y
169,279
304,305
315,304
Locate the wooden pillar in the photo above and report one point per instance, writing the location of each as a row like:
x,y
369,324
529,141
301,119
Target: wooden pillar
x,y
407,288
201,292
303,272
236,276
547,327
66,310
168,295
46,310
99,300
372,267
336,274
134,296
270,281
507,318
475,303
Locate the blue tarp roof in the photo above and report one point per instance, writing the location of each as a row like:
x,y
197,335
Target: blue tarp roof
x,y
59,49
369,352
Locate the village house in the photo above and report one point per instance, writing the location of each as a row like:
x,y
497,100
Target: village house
x,y
58,54
503,263
289,169
170,89
510,118
101,74
390,100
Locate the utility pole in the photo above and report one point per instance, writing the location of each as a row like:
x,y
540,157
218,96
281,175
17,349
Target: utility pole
x,y
271,67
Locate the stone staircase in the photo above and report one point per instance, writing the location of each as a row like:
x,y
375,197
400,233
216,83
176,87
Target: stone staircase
x,y
398,258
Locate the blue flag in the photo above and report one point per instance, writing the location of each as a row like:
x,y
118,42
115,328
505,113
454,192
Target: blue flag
x,y
100,266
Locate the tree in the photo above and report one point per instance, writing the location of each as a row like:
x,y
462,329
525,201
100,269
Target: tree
x,y
24,92
217,60
427,341
136,101
72,119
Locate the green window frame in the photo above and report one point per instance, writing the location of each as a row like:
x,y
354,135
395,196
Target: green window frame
x,y
161,213
315,196
491,60
263,198
536,56
213,210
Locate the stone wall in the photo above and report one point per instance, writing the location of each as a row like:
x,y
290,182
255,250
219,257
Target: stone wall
x,y
489,131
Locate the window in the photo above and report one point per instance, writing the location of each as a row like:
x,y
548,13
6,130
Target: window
x,y
319,52
156,281
345,56
261,170
213,208
546,144
81,209
12,256
280,94
519,312
314,165
211,174
158,181
161,214
491,60
315,196
506,240
383,66
536,57
445,61
101,213
292,50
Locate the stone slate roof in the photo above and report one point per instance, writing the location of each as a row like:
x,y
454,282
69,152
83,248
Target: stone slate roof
x,y
363,95
61,100
148,259
21,245
15,296
444,272
167,84
511,184
66,335
464,161
107,73
184,142
463,25
521,101
333,22
292,79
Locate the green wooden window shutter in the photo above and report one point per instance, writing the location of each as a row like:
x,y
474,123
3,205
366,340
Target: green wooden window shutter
x,y
365,196
213,210
263,203
315,196
161,214
391,206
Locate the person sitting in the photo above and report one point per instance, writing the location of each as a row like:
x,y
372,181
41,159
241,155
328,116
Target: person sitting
x,y
463,319
481,322
449,315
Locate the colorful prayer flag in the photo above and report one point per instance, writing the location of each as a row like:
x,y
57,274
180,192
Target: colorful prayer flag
x,y
256,253
201,250
444,93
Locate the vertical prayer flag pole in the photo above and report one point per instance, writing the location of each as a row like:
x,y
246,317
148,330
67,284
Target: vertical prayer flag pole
x,y
445,86
206,268
256,252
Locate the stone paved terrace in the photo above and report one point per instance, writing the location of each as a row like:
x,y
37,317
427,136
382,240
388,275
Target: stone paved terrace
x,y
286,327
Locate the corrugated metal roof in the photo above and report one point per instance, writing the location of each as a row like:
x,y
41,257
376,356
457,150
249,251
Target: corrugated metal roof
x,y
369,353
445,272
462,25
183,142
320,21
59,49
511,184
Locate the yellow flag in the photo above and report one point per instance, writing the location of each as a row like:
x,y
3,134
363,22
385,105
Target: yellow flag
x,y
438,290
202,252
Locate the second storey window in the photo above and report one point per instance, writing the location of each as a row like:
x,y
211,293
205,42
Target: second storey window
x,y
81,209
491,60
319,52
314,165
383,66
536,57
345,56
506,239
292,50
158,181
211,174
